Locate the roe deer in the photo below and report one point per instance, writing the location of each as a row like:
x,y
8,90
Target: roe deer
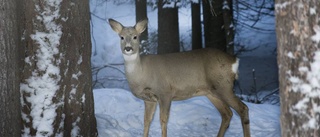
x,y
179,76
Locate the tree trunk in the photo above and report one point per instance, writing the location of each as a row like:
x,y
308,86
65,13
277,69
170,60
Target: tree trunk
x,y
298,36
56,84
228,25
214,32
10,111
168,29
141,13
196,25
76,46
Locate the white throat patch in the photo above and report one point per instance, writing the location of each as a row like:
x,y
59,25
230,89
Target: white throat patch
x,y
130,57
130,62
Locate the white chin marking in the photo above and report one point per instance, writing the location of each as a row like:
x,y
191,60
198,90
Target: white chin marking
x,y
128,52
130,57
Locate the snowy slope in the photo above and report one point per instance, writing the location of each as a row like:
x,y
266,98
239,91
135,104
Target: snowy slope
x,y
120,114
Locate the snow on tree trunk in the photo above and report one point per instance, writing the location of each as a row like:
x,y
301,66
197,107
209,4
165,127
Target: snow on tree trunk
x,y
57,98
10,118
228,25
298,35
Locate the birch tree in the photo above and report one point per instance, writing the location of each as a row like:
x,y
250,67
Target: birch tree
x,y
298,36
57,98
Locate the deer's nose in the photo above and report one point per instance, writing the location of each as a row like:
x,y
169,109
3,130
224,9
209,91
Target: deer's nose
x,y
127,49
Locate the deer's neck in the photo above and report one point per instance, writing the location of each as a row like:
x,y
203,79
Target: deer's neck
x,y
132,64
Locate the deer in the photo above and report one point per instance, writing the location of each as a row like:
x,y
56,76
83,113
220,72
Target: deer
x,y
161,79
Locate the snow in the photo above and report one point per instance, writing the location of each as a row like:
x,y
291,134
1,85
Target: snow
x,y
120,114
75,129
316,37
313,11
290,55
225,5
195,1
43,84
310,89
80,60
279,6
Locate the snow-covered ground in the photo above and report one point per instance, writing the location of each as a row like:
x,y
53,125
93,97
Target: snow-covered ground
x,y
120,114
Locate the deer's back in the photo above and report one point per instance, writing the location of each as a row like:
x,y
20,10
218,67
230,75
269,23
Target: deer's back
x,y
187,72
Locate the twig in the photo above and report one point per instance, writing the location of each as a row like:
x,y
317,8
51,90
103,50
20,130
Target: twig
x,y
272,92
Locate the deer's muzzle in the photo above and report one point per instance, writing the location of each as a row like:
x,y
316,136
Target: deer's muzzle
x,y
128,49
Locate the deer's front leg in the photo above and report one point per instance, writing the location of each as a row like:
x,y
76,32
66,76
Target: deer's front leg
x,y
149,110
165,105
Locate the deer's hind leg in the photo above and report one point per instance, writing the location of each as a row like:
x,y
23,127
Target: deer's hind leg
x,y
242,109
225,93
225,112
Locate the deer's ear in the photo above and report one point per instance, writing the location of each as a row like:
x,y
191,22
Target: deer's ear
x,y
115,25
141,25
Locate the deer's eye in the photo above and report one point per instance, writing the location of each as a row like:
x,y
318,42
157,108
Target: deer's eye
x,y
134,37
121,37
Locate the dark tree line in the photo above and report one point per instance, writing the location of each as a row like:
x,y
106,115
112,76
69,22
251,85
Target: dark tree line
x,y
217,21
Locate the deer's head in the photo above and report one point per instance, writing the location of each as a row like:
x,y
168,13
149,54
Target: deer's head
x,y
129,36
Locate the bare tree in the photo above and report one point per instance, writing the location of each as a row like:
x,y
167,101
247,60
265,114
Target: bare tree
x,y
298,35
10,117
56,80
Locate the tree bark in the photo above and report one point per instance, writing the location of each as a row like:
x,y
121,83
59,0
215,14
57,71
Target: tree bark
x,y
76,46
228,25
214,32
56,83
10,111
141,14
298,36
168,29
196,26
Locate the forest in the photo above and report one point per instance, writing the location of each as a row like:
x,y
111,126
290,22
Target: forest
x,y
63,72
